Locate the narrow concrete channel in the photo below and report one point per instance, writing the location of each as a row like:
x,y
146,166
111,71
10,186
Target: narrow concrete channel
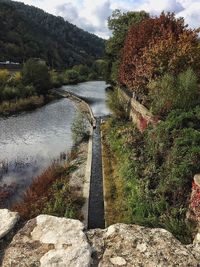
x,y
96,199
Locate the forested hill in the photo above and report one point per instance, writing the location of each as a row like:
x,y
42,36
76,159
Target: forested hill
x,y
27,32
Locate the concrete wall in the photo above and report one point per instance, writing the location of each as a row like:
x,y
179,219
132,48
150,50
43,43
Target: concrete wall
x,y
139,114
84,106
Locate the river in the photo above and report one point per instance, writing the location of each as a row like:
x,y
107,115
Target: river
x,y
30,141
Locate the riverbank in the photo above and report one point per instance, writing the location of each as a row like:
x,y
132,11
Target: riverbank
x,y
8,108
59,189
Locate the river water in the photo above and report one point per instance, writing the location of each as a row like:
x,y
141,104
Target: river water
x,y
30,141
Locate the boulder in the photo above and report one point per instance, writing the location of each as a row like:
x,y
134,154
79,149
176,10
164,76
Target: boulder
x,y
7,222
48,241
134,246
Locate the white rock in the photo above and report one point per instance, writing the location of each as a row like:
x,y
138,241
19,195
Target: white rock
x,y
119,261
7,221
133,246
79,256
49,241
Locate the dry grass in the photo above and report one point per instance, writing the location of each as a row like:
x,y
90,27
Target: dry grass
x,y
12,107
113,185
50,187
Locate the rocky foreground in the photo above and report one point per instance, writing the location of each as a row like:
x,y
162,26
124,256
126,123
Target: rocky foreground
x,y
49,241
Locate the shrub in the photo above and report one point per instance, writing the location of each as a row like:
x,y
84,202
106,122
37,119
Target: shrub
x,y
80,128
71,77
4,77
15,79
169,92
9,93
157,168
36,72
118,105
56,79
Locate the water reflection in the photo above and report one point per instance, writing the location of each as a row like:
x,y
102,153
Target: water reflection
x,y
29,142
94,93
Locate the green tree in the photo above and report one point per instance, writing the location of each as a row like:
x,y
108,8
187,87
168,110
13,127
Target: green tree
x,y
83,71
36,72
71,77
100,67
119,24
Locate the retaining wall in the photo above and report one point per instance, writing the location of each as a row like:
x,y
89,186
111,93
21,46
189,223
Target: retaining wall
x,y
139,114
86,189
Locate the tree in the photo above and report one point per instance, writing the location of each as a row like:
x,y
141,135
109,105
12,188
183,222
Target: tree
x,y
35,72
71,77
119,23
154,47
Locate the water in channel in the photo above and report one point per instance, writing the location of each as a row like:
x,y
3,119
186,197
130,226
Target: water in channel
x,y
30,141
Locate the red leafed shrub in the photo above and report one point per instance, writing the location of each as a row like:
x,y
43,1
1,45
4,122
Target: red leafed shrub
x,y
156,46
195,199
143,124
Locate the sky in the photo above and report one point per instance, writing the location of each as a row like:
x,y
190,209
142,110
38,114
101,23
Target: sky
x,y
91,15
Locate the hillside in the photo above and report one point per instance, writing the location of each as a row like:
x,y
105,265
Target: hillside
x,y
27,32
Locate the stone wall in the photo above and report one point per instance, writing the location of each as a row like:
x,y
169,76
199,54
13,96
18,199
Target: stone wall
x,y
139,114
49,241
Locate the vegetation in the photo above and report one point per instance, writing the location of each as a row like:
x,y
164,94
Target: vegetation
x,y
28,32
168,92
36,73
116,103
157,46
152,172
30,103
80,128
119,24
50,193
157,169
114,186
29,88
83,73
25,90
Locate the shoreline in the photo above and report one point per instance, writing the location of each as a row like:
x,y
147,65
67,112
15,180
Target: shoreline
x,y
10,108
76,170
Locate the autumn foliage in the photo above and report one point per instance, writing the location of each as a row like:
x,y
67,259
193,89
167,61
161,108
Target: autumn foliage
x,y
156,46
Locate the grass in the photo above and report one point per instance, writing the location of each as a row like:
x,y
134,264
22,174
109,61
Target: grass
x,y
24,104
115,211
50,193
148,176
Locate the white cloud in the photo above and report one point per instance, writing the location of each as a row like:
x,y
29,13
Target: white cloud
x,y
92,15
191,14
156,7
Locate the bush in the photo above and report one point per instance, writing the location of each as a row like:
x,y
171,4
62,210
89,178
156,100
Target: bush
x,y
168,93
9,93
157,168
118,105
15,79
36,72
56,79
80,128
4,77
71,77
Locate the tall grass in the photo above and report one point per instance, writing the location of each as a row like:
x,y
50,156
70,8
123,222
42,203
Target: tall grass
x,y
12,107
50,193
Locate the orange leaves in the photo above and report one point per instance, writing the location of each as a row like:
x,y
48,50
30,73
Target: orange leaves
x,y
156,46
